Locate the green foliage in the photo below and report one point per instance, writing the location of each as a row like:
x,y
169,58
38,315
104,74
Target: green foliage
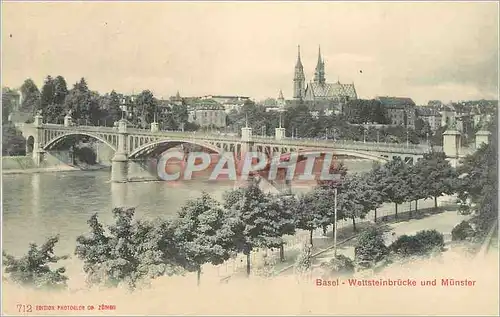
x,y
85,154
341,265
129,252
258,219
353,201
7,104
146,104
480,183
339,168
438,175
203,233
421,243
377,182
462,231
31,96
13,143
253,214
303,263
370,247
315,209
47,95
33,269
366,111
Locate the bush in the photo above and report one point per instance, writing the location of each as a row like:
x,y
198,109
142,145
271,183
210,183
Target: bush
x,y
430,239
370,247
303,263
421,243
341,265
406,245
85,155
33,268
462,231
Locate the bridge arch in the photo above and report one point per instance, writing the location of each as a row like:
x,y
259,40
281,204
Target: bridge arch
x,y
59,138
338,152
161,146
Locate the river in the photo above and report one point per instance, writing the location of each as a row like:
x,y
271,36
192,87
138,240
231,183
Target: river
x,y
36,206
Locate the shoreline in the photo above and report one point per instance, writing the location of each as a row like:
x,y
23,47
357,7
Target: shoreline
x,y
63,168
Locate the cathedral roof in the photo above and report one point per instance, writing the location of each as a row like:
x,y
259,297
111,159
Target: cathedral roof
x,y
331,91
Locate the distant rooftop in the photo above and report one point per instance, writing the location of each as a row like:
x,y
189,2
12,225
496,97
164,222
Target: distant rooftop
x,y
396,101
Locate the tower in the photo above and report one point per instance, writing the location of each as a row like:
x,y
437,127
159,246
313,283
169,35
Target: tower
x,y
281,101
319,74
299,80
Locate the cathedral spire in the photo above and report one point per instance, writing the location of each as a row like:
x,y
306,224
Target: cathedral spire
x,y
299,78
320,63
299,62
319,74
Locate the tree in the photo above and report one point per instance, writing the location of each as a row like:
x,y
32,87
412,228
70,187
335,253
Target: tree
x,y
479,181
376,180
33,269
314,210
47,96
252,216
147,105
335,168
418,184
282,216
370,247
82,102
203,234
129,252
13,143
350,199
180,115
7,104
437,176
422,128
54,93
398,189
60,90
30,96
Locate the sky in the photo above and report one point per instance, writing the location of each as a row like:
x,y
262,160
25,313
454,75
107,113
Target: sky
x,y
426,51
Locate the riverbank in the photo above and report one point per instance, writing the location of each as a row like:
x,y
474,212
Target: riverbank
x,y
61,168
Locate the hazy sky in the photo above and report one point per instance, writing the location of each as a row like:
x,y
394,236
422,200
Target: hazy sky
x,y
446,51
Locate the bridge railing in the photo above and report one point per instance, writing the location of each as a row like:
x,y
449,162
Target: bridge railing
x,y
197,135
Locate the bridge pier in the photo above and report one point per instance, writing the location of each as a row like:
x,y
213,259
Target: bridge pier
x,y
482,137
119,162
246,141
37,144
452,145
138,170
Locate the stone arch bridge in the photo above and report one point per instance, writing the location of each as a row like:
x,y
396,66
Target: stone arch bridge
x,y
133,146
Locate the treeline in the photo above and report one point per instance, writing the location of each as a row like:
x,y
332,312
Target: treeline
x,y
55,100
299,122
478,184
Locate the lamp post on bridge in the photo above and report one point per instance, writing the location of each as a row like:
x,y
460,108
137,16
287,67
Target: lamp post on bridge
x,y
378,134
326,133
407,139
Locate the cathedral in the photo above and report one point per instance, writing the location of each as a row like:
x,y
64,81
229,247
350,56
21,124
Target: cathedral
x,y
318,90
